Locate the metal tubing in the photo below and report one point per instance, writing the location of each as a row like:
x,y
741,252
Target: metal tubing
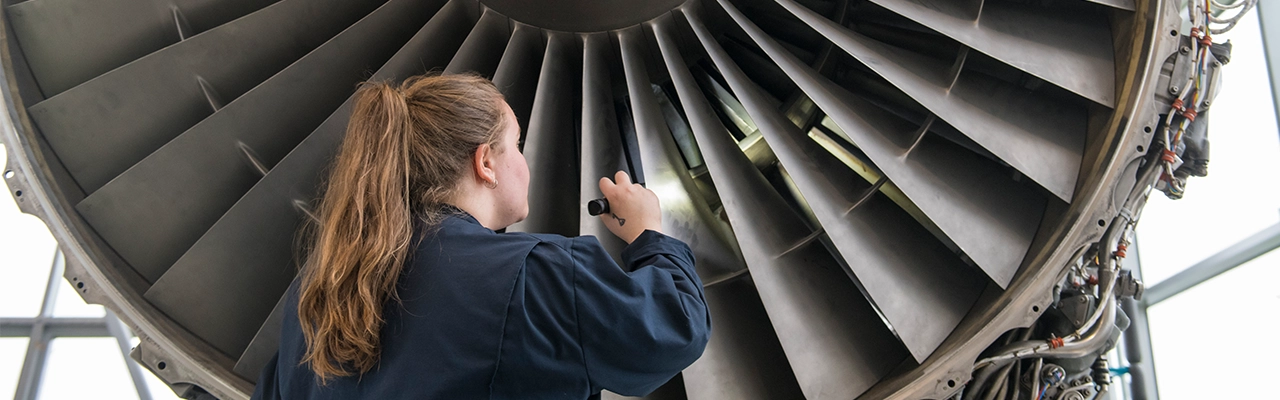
x,y
1137,339
38,346
1096,333
122,335
53,327
1269,19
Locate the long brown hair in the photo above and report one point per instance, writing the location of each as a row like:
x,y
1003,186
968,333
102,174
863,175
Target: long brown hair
x,y
405,151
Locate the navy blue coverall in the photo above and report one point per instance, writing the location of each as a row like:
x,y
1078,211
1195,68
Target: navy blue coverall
x,y
485,315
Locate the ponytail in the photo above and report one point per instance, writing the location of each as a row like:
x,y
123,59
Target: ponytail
x,y
405,151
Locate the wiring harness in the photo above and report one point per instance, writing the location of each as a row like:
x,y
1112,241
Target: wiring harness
x,y
1086,300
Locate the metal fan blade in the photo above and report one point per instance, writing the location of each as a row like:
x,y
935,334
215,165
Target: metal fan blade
x,y
550,146
1039,137
990,217
68,42
222,288
1071,51
517,74
185,186
685,215
819,314
484,46
92,126
602,153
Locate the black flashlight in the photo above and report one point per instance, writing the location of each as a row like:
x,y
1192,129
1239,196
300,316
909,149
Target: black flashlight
x,y
598,206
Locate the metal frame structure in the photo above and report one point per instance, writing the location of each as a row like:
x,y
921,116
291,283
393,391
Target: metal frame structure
x,y
44,327
1271,46
1136,343
1247,249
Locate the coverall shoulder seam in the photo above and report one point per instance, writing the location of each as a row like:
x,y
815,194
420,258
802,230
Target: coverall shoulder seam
x,y
577,324
502,338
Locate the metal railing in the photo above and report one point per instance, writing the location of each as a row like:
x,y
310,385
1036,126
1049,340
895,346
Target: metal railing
x,y
44,327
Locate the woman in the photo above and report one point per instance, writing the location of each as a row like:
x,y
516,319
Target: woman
x,y
408,292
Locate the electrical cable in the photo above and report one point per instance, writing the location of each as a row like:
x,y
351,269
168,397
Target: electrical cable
x,y
995,389
1234,5
1088,338
1013,379
1092,334
1234,19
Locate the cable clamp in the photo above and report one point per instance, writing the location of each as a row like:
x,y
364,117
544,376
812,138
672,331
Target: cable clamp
x,y
1190,114
1168,156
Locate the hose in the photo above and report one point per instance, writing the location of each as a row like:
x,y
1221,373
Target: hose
x,y
1092,338
1102,390
1035,377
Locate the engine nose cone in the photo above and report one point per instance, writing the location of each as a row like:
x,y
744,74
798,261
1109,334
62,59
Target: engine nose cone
x,y
582,15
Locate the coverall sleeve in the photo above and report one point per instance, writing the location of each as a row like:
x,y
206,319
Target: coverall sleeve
x,y
639,328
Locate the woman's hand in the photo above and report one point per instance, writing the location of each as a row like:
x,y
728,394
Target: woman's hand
x,y
632,208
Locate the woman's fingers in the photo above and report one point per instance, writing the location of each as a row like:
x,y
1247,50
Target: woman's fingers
x,y
607,186
633,209
622,178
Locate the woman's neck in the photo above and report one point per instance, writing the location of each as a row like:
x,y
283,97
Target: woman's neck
x,y
478,203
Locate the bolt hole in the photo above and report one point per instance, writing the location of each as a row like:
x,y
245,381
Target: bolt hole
x,y
951,383
79,285
1173,33
1035,308
1146,129
161,365
1102,223
1140,149
8,174
18,193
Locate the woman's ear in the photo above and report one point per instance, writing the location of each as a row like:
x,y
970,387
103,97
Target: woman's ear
x,y
482,164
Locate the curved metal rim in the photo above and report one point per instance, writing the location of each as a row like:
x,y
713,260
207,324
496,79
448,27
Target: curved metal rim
x,y
1029,294
939,376
45,200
